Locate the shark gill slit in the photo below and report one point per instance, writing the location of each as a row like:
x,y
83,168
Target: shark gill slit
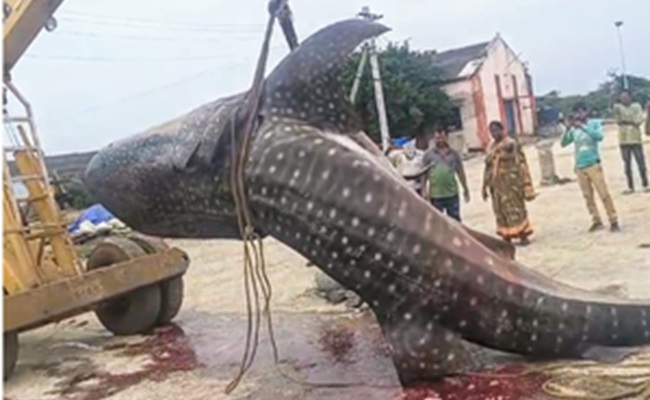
x,y
332,217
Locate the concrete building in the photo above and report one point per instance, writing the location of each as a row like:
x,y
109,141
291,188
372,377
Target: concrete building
x,y
488,81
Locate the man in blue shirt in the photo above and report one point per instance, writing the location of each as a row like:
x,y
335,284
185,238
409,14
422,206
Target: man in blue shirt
x,y
585,135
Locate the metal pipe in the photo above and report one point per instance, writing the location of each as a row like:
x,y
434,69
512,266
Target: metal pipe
x,y
618,25
32,126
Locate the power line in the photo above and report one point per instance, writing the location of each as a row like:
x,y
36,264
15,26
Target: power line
x,y
121,59
150,91
155,38
155,89
76,14
168,27
142,94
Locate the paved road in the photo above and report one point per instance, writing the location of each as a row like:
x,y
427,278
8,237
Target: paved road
x,y
76,359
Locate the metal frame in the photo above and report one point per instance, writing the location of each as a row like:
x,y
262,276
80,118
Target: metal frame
x,y
44,280
58,300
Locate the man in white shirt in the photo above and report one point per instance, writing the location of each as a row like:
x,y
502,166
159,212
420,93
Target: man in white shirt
x,y
412,163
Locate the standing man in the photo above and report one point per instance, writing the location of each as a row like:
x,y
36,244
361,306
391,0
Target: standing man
x,y
396,155
443,165
414,151
629,117
585,136
647,118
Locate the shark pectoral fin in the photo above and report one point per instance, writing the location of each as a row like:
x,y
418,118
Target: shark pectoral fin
x,y
502,248
609,355
306,85
183,156
202,138
362,139
423,351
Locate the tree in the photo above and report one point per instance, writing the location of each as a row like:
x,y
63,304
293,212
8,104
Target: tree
x,y
600,100
639,87
73,193
412,87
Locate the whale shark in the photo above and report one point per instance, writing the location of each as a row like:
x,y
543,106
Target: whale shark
x,y
439,290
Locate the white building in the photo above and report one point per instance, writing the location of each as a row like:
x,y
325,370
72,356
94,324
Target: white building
x,y
487,82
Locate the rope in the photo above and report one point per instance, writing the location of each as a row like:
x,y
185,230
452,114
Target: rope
x,y
255,277
254,260
629,379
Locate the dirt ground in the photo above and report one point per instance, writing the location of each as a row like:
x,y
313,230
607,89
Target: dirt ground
x,y
195,358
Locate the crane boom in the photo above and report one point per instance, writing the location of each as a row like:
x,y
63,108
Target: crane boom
x,y
23,20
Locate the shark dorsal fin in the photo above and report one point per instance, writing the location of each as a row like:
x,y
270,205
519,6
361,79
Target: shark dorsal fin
x,y
306,84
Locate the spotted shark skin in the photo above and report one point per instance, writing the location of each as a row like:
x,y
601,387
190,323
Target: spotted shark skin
x,y
442,294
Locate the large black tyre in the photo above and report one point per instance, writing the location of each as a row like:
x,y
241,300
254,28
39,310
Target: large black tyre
x,y
172,290
135,312
10,353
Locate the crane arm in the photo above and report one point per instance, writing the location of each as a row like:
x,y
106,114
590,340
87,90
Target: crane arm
x,y
22,21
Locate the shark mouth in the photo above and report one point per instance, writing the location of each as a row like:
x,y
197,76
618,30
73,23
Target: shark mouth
x,y
439,290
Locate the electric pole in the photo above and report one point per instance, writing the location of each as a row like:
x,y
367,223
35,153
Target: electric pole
x,y
370,51
357,77
618,25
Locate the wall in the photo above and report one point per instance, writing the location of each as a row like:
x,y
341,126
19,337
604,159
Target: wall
x,y
503,62
66,166
461,94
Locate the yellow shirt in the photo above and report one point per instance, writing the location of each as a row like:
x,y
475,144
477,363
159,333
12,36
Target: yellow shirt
x,y
629,120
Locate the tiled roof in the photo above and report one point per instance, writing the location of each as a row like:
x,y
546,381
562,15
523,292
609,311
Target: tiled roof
x,y
461,62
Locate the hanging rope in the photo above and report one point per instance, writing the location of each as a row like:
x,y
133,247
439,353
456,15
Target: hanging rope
x,y
255,278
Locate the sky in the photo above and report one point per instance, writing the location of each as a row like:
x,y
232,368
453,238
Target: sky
x,y
115,68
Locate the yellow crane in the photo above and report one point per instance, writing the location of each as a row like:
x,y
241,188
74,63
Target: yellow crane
x,y
132,283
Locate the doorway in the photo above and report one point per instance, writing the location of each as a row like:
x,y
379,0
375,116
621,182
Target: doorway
x,y
511,120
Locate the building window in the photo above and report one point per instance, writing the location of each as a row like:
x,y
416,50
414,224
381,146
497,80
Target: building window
x,y
456,121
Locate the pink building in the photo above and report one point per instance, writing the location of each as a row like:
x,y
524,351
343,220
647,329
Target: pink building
x,y
488,81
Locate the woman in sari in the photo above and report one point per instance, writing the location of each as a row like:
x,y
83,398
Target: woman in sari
x,y
508,182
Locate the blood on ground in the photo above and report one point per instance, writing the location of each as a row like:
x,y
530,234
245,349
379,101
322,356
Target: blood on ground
x,y
169,350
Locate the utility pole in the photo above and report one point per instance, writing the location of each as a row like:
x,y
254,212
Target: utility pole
x,y
370,51
357,78
618,25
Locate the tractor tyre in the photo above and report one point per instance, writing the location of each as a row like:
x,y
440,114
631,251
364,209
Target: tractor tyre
x,y
135,312
172,290
10,353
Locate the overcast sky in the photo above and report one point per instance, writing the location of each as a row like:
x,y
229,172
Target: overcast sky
x,y
111,68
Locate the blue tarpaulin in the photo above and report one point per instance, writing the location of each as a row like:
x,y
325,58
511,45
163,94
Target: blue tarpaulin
x,y
95,214
401,141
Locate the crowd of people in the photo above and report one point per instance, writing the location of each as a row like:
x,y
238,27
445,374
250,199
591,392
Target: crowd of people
x,y
435,170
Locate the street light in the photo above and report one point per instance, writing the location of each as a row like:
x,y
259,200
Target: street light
x,y
618,25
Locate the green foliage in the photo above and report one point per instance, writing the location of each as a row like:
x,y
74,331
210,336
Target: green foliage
x,y
600,100
412,91
78,196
